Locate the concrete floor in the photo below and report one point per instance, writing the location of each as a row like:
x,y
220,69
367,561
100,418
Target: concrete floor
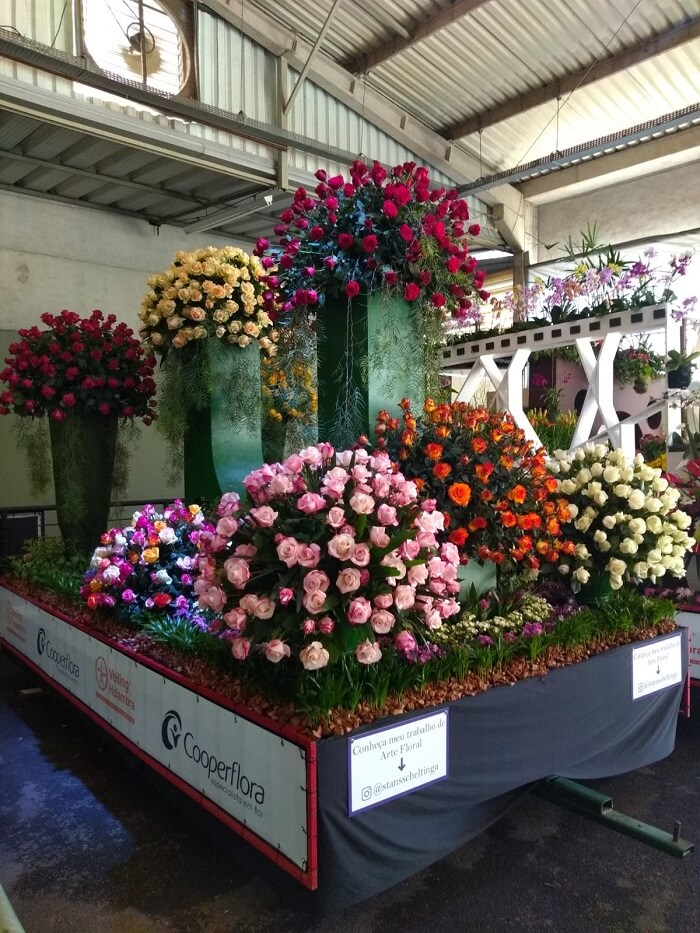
x,y
90,844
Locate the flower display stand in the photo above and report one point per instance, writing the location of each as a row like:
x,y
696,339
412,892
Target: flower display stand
x,y
220,450
370,353
477,359
351,816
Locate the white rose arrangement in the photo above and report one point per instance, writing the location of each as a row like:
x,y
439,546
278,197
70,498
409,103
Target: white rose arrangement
x,y
624,518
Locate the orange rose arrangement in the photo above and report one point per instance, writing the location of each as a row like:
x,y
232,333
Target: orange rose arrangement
x,y
499,500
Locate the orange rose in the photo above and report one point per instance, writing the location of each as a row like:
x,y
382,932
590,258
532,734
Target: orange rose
x,y
442,470
508,520
459,536
434,451
486,495
518,494
525,543
460,493
551,484
483,472
525,522
479,445
477,524
420,483
506,461
442,431
553,527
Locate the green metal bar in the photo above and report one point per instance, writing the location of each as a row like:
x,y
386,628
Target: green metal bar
x,y
598,807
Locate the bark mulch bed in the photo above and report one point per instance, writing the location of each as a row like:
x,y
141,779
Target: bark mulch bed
x,y
339,721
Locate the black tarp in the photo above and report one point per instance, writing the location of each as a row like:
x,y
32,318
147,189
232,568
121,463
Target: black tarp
x,y
578,722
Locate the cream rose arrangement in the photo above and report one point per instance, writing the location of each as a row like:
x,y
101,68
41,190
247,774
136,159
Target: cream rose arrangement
x,y
624,520
221,293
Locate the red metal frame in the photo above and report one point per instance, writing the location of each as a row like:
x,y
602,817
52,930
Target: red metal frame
x,y
308,878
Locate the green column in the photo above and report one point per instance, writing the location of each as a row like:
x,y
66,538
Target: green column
x,y
371,353
223,441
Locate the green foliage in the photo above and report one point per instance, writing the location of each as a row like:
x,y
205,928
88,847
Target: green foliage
x,y
32,437
52,565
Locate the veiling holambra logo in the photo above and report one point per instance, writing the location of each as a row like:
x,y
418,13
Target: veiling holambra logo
x,y
60,658
14,624
101,673
114,689
171,730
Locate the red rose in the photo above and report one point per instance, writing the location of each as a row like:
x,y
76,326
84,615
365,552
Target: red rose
x,y
316,233
69,400
335,182
390,209
474,229
452,265
352,289
411,291
348,190
160,600
346,241
390,277
369,243
402,195
438,299
406,233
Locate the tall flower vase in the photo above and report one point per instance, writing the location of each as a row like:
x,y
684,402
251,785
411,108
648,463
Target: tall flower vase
x,y
597,589
83,448
371,353
223,439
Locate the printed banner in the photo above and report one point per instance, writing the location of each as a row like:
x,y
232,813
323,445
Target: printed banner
x,y
691,621
256,776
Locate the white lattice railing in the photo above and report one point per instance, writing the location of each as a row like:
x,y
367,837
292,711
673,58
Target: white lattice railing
x,y
477,359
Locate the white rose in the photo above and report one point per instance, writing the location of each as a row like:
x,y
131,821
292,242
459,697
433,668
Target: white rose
x,y
564,466
573,510
596,469
665,544
609,521
563,569
583,523
640,569
582,575
611,474
652,504
616,566
622,490
659,484
628,546
600,536
627,474
583,477
636,499
654,557
637,526
579,455
615,582
682,520
582,552
638,460
553,467
600,498
654,524
600,450
568,487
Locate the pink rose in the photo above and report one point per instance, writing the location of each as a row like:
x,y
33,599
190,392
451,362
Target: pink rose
x,y
228,503
308,555
393,560
316,580
311,455
280,485
308,626
386,514
360,555
426,539
314,601
368,652
265,608
341,546
430,521
226,526
310,502
336,517
432,619
287,551
348,580
245,550
326,625
449,553
249,603
410,549
237,572
404,597
240,648
362,504
383,601
264,516
285,595
378,536
236,618
404,641
382,621
293,464
276,650
213,598
314,656
359,611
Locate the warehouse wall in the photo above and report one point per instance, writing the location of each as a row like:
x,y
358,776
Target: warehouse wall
x,y
53,257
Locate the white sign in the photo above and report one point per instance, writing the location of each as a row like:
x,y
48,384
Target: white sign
x,y
656,665
691,621
253,774
390,762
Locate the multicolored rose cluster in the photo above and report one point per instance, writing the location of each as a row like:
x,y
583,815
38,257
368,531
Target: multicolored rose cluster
x,y
377,229
88,365
333,555
149,565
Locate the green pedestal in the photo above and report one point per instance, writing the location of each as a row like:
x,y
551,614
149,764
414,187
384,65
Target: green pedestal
x,y
82,451
223,441
371,353
482,575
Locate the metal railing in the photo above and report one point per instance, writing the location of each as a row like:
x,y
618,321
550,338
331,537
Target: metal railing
x,y
20,523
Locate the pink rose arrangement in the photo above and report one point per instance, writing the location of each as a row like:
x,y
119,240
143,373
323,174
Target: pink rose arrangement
x,y
149,566
332,562
377,229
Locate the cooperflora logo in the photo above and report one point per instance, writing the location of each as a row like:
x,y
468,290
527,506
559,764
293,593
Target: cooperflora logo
x,y
171,729
64,663
230,775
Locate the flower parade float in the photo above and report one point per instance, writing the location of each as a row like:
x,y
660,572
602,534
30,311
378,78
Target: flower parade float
x,y
380,260
328,696
208,319
83,376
